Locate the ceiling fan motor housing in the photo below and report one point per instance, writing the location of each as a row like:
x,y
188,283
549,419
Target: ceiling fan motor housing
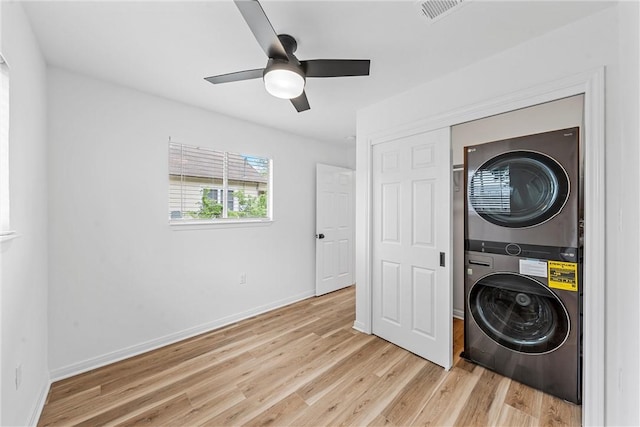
x,y
283,64
288,42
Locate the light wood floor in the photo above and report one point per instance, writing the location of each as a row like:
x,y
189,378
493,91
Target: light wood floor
x,y
302,365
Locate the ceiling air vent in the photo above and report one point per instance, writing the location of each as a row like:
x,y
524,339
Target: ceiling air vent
x,y
437,9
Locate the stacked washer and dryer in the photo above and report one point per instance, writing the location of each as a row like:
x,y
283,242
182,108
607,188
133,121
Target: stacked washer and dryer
x,y
523,260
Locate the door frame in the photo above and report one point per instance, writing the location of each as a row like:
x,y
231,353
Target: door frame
x,y
591,83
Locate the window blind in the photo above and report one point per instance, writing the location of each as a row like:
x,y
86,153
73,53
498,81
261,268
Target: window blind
x,y
206,184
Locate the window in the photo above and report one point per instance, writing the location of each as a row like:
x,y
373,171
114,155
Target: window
x,y
5,229
216,186
215,195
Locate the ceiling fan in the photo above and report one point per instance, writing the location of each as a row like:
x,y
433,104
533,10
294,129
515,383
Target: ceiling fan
x,y
284,75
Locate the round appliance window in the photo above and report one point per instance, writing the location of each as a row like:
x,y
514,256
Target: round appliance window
x,y
519,189
519,313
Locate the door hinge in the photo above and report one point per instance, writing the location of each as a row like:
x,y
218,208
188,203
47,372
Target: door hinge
x,y
441,259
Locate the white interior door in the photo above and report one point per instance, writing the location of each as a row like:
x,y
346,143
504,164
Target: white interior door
x,y
411,243
334,228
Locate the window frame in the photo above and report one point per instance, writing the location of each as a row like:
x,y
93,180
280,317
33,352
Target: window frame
x,y
205,223
6,231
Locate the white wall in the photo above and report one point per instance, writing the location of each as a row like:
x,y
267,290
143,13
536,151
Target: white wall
x,y
610,39
623,233
121,279
23,260
560,114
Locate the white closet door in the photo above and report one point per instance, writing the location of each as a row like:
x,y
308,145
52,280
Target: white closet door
x,y
411,273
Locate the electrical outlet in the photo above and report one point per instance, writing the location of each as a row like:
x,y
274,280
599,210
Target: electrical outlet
x,y
243,278
18,376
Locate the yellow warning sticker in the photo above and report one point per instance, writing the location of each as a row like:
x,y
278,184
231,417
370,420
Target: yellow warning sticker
x,y
563,275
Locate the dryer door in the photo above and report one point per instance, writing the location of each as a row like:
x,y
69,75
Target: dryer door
x,y
519,189
519,313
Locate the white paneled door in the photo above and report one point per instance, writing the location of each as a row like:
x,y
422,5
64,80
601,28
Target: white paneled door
x,y
334,228
411,242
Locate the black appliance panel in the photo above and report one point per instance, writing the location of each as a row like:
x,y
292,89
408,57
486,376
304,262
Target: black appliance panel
x,y
524,190
518,326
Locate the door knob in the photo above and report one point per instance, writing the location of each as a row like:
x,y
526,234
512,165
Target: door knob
x,y
320,236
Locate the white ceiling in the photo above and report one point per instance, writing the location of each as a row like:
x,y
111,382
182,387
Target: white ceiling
x,y
166,48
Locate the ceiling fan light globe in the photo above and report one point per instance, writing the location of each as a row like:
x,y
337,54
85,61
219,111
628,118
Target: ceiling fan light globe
x,y
284,83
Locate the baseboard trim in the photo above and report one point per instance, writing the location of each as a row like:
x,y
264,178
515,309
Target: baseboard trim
x,y
39,405
360,327
125,353
458,314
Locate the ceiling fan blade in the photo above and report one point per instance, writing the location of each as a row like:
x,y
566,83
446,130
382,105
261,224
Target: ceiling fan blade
x,y
336,67
237,76
261,28
301,103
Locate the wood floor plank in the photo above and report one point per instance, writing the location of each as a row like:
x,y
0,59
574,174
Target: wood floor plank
x,y
387,359
330,299
329,327
380,421
316,388
242,412
445,405
256,403
278,365
510,416
261,398
477,411
326,408
317,365
303,364
498,401
110,398
54,408
158,415
524,398
314,363
284,323
207,408
268,396
557,412
125,370
148,399
143,379
285,337
280,414
231,371
407,404
364,408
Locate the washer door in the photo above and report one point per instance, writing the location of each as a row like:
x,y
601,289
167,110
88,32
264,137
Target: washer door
x,y
519,313
519,189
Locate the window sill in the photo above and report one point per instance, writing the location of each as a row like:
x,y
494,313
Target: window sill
x,y
5,236
226,223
